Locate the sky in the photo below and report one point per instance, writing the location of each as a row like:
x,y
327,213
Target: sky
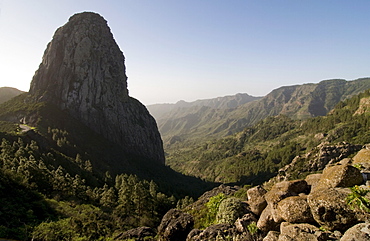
x,y
201,49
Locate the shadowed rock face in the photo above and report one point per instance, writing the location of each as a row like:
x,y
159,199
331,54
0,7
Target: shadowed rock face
x,y
83,72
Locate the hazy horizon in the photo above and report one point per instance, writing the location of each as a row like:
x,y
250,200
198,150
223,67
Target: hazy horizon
x,y
201,49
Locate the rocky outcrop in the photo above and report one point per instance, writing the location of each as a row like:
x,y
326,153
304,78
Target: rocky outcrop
x,y
175,226
83,72
139,234
317,159
317,208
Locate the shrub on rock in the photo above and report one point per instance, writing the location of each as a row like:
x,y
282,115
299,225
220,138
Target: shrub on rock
x,y
230,210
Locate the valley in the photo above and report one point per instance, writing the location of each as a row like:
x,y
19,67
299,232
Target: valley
x,y
80,159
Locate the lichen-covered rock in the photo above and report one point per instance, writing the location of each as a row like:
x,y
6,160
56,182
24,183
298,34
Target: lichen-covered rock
x,y
242,223
285,189
301,232
340,176
281,191
256,199
213,233
363,158
313,179
219,232
139,234
295,209
359,232
266,221
271,236
230,210
83,72
330,210
175,226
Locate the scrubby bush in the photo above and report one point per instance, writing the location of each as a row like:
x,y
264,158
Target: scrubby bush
x,y
229,210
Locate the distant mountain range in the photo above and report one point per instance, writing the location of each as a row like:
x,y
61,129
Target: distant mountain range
x,y
226,115
6,93
158,111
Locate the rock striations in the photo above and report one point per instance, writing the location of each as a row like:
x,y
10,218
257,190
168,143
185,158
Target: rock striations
x,y
83,72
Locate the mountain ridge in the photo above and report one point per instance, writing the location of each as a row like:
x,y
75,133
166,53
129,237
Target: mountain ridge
x,y
230,101
6,93
297,101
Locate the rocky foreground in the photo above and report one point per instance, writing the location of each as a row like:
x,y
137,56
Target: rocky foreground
x,y
332,205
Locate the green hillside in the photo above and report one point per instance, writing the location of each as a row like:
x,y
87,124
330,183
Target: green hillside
x,y
6,93
300,102
256,153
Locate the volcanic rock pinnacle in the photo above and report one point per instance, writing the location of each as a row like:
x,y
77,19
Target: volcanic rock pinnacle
x,y
83,72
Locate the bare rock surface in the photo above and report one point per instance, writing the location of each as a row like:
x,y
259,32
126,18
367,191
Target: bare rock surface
x,y
359,232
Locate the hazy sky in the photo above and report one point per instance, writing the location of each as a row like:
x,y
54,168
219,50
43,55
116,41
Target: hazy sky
x,y
197,49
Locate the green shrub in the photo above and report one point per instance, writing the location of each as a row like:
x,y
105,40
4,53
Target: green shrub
x,y
357,198
229,210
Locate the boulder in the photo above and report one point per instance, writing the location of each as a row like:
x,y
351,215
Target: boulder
x,y
272,236
340,176
281,191
313,179
266,221
137,234
175,226
285,189
213,233
363,158
359,232
301,232
242,223
330,210
295,209
256,199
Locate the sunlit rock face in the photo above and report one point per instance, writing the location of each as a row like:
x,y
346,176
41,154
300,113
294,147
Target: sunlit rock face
x,y
83,72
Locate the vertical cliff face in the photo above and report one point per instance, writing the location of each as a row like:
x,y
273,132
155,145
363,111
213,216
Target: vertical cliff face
x,y
83,72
